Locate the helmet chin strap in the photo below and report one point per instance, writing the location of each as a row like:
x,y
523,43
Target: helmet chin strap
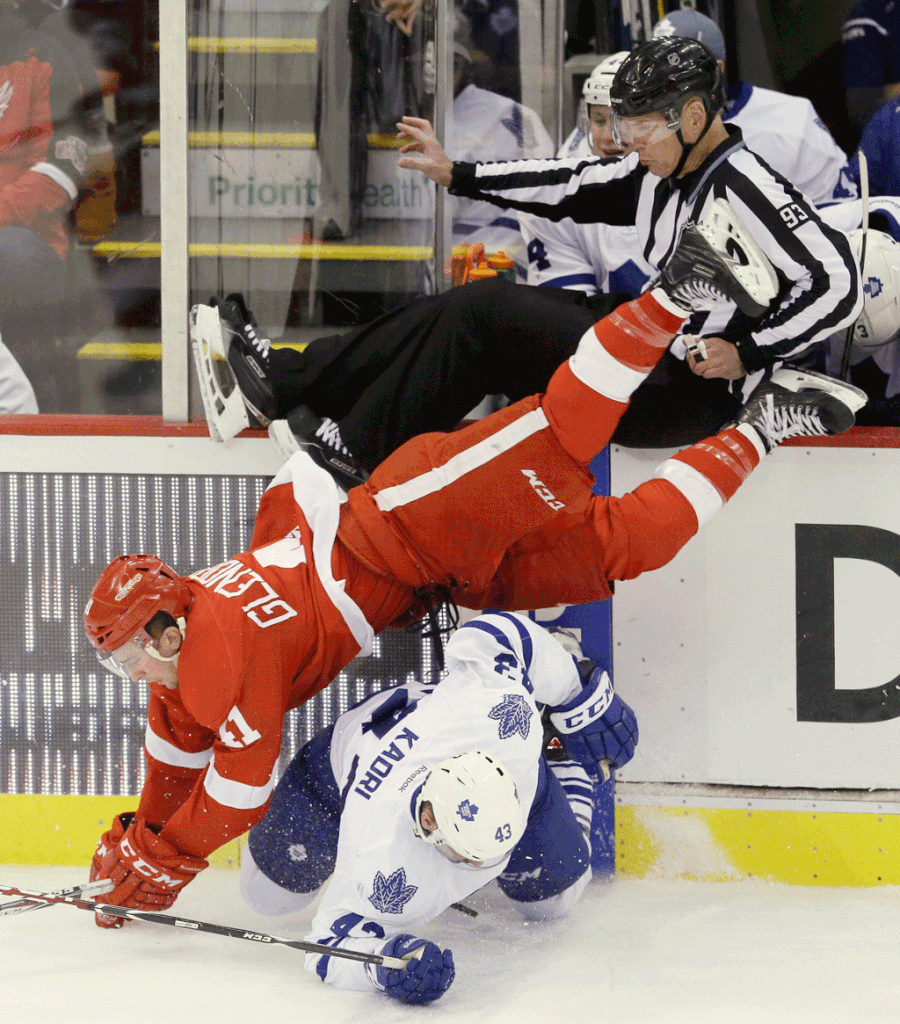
x,y
687,149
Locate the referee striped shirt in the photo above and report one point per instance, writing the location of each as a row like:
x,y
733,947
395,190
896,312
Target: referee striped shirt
x,y
819,283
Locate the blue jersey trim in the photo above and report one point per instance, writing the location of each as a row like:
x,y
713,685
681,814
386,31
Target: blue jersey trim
x,y
503,639
568,280
737,96
322,966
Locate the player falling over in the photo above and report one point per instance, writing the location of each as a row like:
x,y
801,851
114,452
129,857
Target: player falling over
x,y
499,514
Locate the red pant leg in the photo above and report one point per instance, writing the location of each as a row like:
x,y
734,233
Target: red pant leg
x,y
620,539
446,508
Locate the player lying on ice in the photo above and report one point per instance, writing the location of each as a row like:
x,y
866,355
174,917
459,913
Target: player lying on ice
x,y
444,789
499,514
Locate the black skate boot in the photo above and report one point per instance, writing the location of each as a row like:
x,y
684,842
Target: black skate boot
x,y
718,260
248,357
320,438
800,403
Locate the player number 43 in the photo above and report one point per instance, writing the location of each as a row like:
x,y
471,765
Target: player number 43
x,y
504,832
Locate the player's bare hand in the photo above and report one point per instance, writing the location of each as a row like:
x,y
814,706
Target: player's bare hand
x,y
722,360
401,12
433,162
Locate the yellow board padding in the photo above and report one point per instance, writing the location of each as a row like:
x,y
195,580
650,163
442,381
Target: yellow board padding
x,y
265,140
702,844
247,44
796,847
258,251
65,829
148,351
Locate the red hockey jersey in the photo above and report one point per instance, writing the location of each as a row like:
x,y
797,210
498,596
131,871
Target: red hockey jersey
x,y
267,629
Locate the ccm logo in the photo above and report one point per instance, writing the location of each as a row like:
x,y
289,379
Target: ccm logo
x,y
543,491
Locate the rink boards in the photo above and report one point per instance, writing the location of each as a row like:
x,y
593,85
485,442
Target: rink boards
x,y
762,662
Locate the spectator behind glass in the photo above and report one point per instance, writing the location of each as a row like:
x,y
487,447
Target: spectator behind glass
x,y
485,123
371,71
42,163
870,42
784,130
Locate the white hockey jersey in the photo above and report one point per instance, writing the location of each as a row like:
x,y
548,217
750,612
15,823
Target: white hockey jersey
x,y
386,881
485,122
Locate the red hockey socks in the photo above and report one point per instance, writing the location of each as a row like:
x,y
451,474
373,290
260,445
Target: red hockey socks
x,y
615,356
588,394
710,472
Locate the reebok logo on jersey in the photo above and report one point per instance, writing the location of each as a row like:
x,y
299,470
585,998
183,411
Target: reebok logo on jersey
x,y
543,491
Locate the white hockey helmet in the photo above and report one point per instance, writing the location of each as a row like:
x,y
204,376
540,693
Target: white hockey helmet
x,y
596,86
879,321
475,805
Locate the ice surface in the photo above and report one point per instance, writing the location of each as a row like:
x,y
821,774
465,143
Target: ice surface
x,y
633,952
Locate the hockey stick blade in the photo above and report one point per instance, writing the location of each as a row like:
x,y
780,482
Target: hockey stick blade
x,y
87,889
463,909
127,914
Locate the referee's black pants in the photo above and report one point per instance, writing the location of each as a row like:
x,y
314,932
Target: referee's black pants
x,y
424,366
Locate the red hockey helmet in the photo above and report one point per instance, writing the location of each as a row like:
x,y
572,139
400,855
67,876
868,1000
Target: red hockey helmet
x,y
129,592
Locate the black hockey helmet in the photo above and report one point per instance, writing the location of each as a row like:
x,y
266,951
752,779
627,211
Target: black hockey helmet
x,y
660,74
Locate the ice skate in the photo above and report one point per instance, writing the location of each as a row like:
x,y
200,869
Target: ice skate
x,y
718,260
226,412
320,438
800,403
248,356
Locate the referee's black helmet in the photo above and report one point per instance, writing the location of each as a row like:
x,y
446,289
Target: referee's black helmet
x,y
661,74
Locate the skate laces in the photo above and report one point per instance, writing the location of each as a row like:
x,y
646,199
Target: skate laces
x,y
259,344
329,432
782,422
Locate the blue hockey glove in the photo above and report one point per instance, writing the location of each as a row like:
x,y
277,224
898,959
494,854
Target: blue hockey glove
x,y
426,977
597,725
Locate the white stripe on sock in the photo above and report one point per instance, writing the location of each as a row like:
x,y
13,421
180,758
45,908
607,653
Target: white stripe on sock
x,y
593,365
699,491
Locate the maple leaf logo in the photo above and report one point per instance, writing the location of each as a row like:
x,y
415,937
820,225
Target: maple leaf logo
x,y
6,94
467,811
390,895
514,715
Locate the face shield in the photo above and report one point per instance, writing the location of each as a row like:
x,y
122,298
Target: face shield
x,y
644,130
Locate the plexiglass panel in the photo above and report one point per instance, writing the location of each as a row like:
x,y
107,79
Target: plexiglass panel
x,y
296,199
76,311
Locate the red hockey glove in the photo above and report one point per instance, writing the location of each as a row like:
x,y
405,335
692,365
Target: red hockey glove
x,y
148,872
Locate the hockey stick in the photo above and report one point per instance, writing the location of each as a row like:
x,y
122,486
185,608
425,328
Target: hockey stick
x,y
203,926
864,193
463,909
97,888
